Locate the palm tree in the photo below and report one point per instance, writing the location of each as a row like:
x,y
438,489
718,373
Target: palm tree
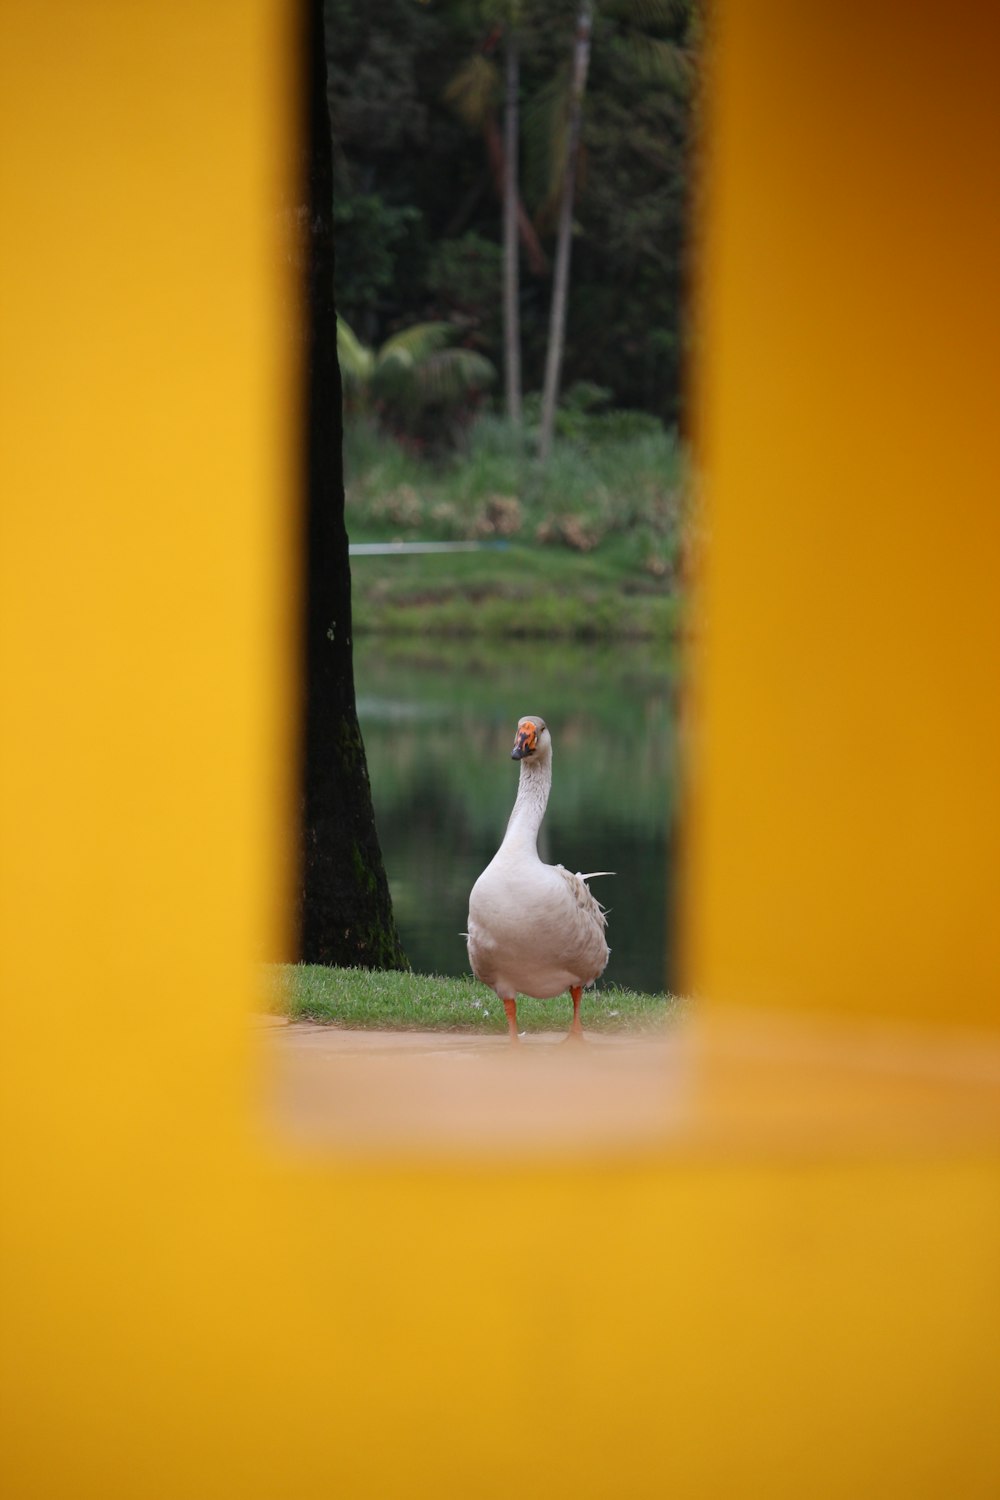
x,y
416,369
560,283
511,287
652,57
474,93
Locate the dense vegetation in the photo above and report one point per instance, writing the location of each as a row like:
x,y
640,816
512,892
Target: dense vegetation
x,y
592,544
446,114
416,97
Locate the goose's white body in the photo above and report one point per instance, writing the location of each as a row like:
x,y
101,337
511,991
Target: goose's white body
x,y
534,929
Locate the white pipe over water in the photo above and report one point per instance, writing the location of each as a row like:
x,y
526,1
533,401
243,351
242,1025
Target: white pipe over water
x,y
385,549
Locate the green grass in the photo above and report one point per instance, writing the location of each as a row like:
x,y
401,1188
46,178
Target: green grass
x,y
387,1001
593,541
520,592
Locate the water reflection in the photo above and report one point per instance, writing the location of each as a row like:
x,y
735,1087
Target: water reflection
x,y
438,723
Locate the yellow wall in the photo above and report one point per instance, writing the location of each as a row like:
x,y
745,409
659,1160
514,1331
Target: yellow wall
x,y
847,853
800,1297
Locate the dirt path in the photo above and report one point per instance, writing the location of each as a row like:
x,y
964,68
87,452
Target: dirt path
x,y
373,1092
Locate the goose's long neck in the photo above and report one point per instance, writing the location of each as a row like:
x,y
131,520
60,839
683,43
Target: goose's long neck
x,y
529,808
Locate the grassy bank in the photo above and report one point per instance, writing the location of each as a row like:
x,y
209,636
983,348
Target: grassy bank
x,y
590,545
360,998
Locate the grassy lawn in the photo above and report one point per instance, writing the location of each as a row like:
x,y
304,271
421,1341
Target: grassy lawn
x,y
383,1001
520,591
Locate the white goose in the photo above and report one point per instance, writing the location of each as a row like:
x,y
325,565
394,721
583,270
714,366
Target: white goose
x,y
534,929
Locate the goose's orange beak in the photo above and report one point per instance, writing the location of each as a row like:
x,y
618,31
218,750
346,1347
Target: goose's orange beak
x,y
526,742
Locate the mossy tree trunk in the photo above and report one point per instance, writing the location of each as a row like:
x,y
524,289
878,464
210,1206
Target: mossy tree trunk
x,y
346,913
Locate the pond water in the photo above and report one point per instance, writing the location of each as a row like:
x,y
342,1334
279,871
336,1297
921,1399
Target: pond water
x,y
438,721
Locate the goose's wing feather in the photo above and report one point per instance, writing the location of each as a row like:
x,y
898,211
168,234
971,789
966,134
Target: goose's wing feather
x,y
583,897
585,946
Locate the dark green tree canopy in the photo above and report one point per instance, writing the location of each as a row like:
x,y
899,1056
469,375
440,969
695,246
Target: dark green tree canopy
x,y
418,214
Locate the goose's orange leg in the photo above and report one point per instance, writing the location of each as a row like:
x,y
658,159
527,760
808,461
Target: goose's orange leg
x,y
510,1006
576,1029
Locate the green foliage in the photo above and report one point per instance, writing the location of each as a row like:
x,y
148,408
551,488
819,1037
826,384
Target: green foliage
x,y
417,202
463,281
474,91
369,235
416,374
374,61
583,420
624,326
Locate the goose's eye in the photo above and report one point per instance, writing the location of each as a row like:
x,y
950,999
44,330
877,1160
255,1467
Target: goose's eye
x,y
526,742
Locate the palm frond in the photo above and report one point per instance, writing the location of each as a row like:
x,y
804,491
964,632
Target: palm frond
x,y
357,362
474,91
649,13
411,345
417,367
453,373
657,61
545,131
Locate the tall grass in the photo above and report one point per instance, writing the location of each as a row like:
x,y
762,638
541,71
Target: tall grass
x,y
613,479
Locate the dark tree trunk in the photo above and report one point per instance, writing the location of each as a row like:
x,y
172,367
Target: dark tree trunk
x,y
346,914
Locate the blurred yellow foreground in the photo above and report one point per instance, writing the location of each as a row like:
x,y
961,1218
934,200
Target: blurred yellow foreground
x,y
795,1296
